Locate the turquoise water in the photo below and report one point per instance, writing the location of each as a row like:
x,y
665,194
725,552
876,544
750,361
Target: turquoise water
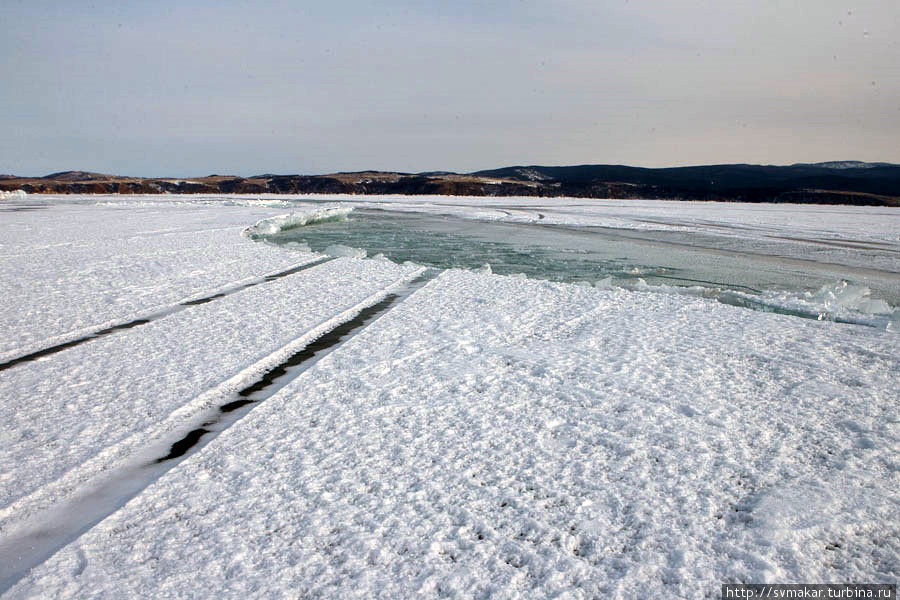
x,y
450,243
727,269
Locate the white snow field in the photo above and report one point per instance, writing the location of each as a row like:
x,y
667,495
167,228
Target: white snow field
x,y
69,268
76,415
486,436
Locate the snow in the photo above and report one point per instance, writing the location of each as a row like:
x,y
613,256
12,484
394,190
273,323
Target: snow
x,y
69,269
78,415
13,195
487,436
527,439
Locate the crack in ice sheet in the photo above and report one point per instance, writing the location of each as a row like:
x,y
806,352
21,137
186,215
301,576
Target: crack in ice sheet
x,y
61,525
280,375
38,354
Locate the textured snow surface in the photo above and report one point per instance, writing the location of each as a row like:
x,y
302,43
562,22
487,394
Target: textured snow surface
x,y
77,413
523,439
71,268
488,436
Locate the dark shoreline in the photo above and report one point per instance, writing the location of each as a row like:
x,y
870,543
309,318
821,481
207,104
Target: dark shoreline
x,y
867,184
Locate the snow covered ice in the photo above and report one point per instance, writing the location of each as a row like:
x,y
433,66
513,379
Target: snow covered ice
x,y
71,268
487,436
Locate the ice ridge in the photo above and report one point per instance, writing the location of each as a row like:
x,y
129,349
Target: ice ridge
x,y
273,225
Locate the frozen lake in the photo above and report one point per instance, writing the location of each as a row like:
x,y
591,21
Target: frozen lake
x,y
625,404
813,275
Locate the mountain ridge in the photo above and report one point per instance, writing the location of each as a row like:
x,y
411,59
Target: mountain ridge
x,y
834,182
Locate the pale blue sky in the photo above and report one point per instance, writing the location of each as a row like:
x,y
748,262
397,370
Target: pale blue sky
x,y
196,87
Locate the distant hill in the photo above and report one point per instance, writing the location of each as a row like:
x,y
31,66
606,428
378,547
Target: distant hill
x,y
845,164
877,183
838,182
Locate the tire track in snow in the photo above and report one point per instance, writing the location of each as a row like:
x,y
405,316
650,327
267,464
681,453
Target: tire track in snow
x,y
38,354
48,532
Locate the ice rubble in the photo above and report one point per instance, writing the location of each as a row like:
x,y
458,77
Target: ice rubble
x,y
844,295
339,250
273,225
13,195
843,301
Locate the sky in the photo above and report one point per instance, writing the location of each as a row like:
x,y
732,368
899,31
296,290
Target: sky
x,y
195,87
